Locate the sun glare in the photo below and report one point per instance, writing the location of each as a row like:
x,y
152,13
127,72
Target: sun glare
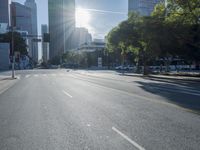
x,y
82,18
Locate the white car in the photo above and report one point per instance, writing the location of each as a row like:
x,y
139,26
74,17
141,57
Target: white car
x,y
126,67
121,67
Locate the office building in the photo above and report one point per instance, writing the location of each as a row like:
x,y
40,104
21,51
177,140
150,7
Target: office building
x,y
143,7
5,11
61,26
81,36
45,46
32,5
4,56
3,28
21,19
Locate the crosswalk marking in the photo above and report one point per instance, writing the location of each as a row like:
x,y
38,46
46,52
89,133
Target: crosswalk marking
x,y
27,76
62,74
44,75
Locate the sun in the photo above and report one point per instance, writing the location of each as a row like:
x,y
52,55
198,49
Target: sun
x,y
82,18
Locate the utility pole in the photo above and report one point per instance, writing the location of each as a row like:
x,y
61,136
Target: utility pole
x,y
13,54
12,43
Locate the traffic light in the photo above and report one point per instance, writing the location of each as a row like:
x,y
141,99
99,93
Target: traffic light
x,y
46,37
36,40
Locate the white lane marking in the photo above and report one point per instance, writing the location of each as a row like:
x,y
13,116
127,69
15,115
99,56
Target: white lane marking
x,y
36,75
4,90
27,76
128,139
44,75
66,93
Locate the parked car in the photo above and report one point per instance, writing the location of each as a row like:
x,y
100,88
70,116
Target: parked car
x,y
125,67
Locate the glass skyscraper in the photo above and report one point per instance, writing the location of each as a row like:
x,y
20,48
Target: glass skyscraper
x,y
61,25
5,11
34,27
143,7
21,19
45,46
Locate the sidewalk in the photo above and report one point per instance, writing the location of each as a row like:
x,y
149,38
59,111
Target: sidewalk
x,y
5,83
4,77
167,77
115,75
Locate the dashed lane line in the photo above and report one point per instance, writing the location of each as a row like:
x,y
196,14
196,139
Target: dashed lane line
x,y
128,139
66,93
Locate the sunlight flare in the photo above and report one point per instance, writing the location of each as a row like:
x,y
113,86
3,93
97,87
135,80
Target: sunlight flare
x,y
82,18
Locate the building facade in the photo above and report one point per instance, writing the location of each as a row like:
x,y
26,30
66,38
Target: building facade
x,y
143,7
61,26
5,11
4,56
3,28
81,36
21,19
34,47
45,46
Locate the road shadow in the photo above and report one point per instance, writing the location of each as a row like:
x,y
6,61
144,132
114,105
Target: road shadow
x,y
175,94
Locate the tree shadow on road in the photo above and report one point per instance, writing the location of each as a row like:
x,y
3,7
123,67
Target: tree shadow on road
x,y
184,95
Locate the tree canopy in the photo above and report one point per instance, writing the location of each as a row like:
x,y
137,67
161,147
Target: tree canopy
x,y
19,42
171,31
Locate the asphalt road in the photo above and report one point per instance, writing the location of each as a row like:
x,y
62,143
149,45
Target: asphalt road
x,y
81,110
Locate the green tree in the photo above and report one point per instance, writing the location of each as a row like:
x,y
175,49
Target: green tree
x,y
181,28
135,35
19,42
171,31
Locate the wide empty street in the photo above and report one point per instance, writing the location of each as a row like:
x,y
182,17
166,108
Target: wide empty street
x,y
98,110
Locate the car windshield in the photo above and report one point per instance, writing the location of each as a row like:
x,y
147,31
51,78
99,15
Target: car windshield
x,y
99,75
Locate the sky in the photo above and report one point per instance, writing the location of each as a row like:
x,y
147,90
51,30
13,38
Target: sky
x,y
105,14
101,15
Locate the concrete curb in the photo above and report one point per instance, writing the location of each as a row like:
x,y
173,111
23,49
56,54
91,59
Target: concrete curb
x,y
180,78
176,78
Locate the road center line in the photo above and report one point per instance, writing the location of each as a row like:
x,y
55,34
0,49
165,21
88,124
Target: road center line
x,y
128,139
66,93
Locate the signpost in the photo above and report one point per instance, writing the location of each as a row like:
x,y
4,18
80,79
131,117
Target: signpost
x,y
100,62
